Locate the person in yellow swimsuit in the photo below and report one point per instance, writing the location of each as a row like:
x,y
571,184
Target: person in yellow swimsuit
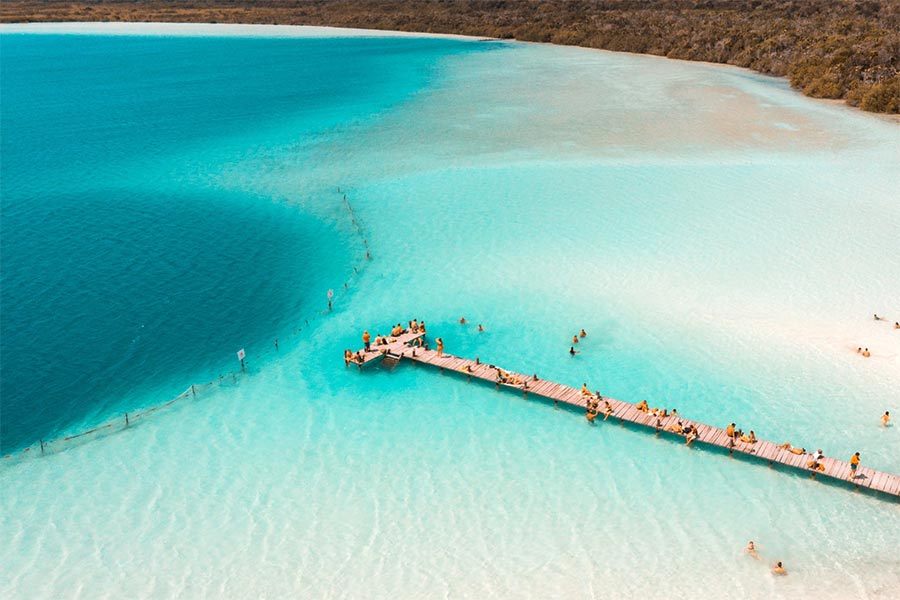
x,y
885,418
584,390
643,406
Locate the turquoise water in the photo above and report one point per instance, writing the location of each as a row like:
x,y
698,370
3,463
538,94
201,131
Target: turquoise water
x,y
126,268
723,240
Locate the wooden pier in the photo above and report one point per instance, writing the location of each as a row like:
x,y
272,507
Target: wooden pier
x,y
407,346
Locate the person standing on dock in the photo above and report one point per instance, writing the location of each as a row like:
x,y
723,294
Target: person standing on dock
x,y
854,464
367,340
440,346
885,418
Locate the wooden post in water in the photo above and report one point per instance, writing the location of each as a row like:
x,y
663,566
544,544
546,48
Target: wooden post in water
x,y
42,450
126,420
193,393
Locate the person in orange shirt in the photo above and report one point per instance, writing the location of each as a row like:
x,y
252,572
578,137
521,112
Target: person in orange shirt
x,y
367,340
885,418
854,464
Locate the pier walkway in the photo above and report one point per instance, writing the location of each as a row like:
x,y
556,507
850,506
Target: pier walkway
x,y
405,347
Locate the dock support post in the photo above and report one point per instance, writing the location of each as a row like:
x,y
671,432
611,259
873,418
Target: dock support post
x,y
126,420
771,464
468,378
525,394
193,393
42,448
556,404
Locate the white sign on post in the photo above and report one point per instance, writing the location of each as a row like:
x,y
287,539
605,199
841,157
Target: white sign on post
x,y
241,354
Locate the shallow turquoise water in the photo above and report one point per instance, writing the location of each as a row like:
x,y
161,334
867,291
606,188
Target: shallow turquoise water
x,y
723,240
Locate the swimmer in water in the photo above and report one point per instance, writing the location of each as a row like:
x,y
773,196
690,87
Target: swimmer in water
x,y
866,353
751,550
885,418
877,318
583,333
779,569
574,339
859,350
480,328
462,321
896,325
573,351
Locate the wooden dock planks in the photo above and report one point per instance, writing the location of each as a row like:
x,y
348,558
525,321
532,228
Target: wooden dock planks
x,y
866,477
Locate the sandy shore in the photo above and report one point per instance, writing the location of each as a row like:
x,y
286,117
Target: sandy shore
x,y
215,29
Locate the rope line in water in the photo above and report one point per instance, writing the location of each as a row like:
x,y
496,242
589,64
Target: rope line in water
x,y
197,389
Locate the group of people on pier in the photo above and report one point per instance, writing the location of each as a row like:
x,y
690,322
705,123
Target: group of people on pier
x,y
592,404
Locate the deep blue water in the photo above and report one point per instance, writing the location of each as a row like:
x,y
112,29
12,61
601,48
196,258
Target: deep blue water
x,y
126,268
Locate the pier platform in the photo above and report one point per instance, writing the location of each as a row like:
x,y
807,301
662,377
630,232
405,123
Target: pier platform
x,y
407,347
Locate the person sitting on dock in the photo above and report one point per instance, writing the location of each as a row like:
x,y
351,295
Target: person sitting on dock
x,y
607,409
643,406
359,357
814,463
467,369
348,356
590,414
692,435
584,390
729,431
749,439
885,418
422,327
854,464
675,428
